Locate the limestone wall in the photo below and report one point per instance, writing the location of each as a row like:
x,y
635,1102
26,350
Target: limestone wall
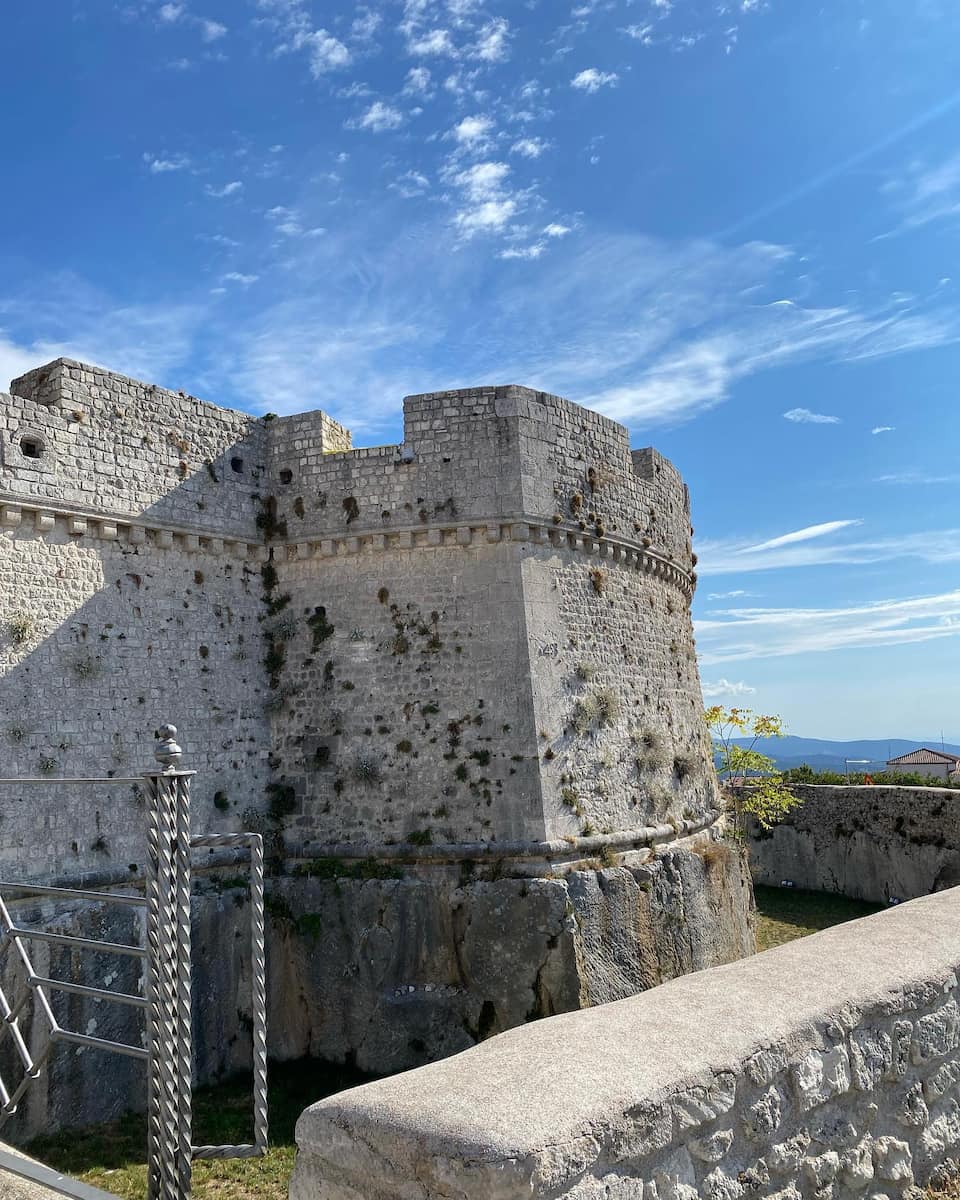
x,y
452,682
496,613
121,448
119,636
405,708
825,1068
873,843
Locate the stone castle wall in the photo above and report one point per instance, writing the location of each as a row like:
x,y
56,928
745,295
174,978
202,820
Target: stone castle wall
x,y
504,600
873,843
824,1068
457,671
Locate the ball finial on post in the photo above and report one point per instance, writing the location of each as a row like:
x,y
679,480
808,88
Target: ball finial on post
x,y
166,751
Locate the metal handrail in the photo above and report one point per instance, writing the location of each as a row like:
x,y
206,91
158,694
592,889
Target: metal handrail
x,y
49,779
166,955
80,989
85,1039
78,943
58,893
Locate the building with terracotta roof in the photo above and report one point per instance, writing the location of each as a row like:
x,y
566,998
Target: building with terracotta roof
x,y
925,761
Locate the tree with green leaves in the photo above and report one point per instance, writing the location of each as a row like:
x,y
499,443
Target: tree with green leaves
x,y
750,778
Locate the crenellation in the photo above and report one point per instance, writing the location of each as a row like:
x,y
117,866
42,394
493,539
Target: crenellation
x,y
477,638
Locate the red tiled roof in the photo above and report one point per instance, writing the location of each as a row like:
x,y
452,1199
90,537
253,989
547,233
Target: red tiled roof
x,y
924,757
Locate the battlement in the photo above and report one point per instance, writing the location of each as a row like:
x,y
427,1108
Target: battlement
x,y
457,673
484,568
103,443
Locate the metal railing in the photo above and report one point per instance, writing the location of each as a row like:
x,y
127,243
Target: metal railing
x,y
168,1049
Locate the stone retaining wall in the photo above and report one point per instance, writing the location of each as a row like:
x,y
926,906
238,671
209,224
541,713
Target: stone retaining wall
x,y
827,1068
873,843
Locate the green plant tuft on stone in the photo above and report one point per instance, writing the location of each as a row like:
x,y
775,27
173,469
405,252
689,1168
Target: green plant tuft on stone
x,y
22,628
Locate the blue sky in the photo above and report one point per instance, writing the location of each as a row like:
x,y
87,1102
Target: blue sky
x,y
733,225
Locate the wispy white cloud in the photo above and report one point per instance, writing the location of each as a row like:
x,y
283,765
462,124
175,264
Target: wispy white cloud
x,y
807,534
714,688
490,204
69,318
592,80
411,184
164,165
524,253
326,52
473,133
493,41
228,189
649,331
735,594
803,416
290,223
378,118
417,82
919,477
924,193
238,277
740,634
883,429
178,14
529,147
433,43
366,23
212,31
732,556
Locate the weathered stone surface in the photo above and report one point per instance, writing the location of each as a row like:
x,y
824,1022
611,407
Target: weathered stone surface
x,y
496,1121
479,639
875,843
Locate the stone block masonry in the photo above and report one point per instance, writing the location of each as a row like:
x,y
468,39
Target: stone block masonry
x,y
827,1068
872,843
451,680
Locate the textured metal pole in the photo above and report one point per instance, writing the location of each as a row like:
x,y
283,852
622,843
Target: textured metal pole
x,y
183,1023
169,1022
258,966
258,973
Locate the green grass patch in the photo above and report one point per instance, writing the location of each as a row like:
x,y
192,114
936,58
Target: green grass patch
x,y
113,1156
787,913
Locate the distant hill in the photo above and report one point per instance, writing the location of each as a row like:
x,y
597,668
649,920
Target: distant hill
x,y
825,755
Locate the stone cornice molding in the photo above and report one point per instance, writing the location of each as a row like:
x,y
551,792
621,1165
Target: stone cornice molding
x,y
465,532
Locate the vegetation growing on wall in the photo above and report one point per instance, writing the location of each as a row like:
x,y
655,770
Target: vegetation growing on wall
x,y
753,785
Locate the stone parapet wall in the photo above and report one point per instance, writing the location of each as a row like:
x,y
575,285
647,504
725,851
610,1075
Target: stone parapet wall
x,y
825,1069
872,843
481,454
122,448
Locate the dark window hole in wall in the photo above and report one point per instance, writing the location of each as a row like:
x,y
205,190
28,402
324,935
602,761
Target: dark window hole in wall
x,y
236,464
31,447
286,475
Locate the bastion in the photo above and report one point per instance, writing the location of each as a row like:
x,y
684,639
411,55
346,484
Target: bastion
x,y
452,681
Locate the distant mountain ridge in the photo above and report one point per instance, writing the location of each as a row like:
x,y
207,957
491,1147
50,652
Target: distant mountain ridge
x,y
825,755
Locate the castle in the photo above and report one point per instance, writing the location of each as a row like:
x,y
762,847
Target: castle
x,y
458,673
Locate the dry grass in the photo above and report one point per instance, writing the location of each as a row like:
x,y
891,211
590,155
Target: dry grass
x,y
787,913
113,1157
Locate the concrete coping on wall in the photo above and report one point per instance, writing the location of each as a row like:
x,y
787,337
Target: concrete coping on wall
x,y
686,1084
572,847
